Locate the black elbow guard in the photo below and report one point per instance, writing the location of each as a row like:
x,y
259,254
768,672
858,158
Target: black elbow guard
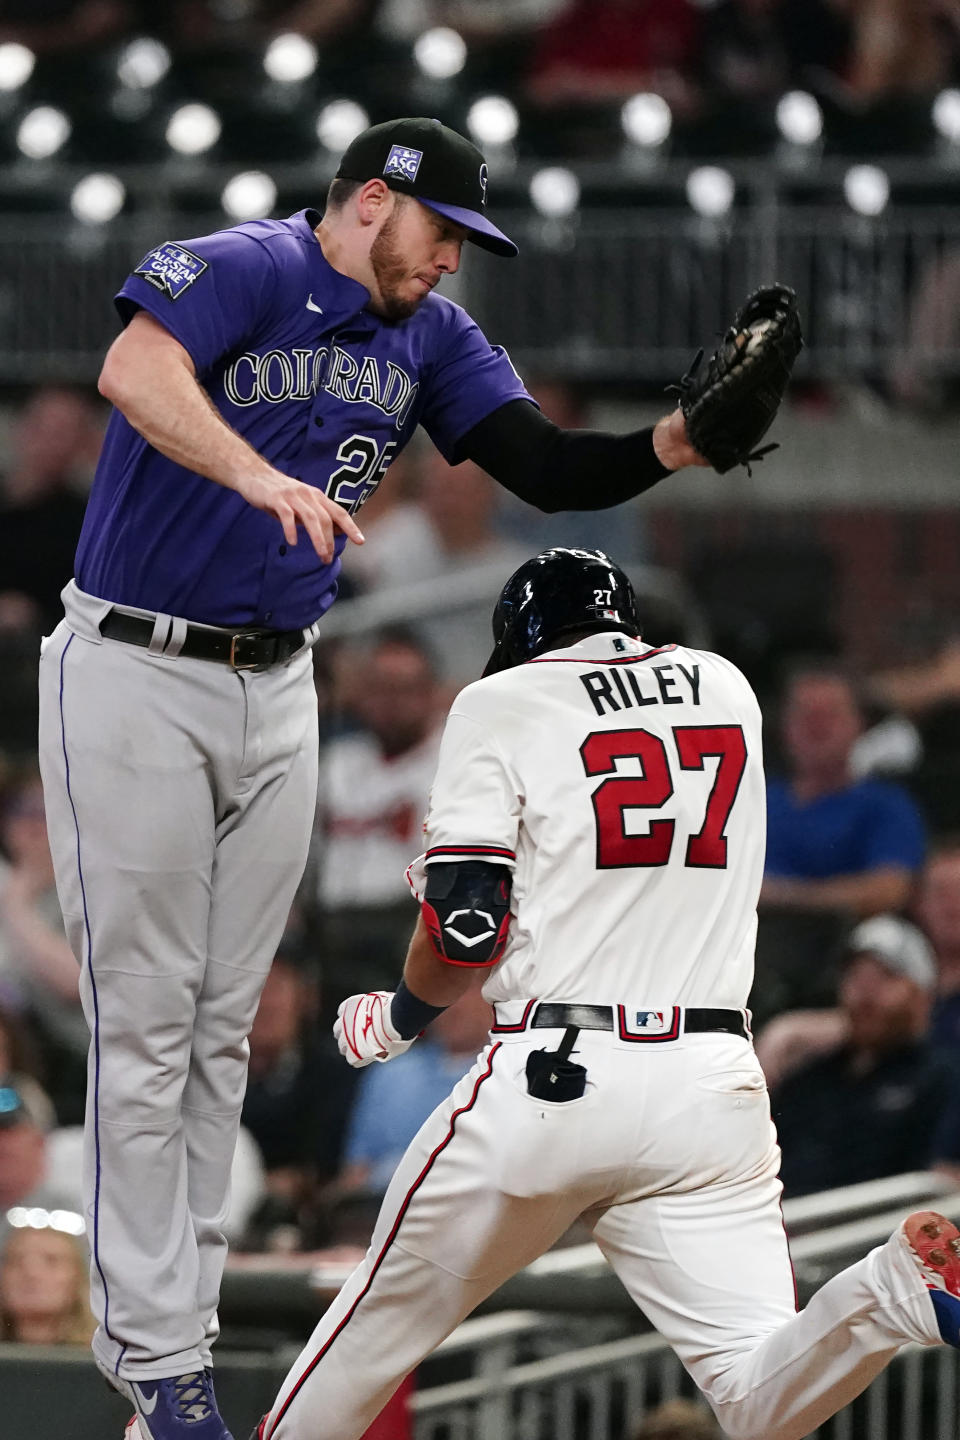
x,y
466,909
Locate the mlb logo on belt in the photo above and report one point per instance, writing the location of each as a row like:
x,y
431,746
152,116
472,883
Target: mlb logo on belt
x,y
403,163
639,1025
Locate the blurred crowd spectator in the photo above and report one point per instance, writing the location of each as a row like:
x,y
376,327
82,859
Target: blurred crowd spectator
x,y
391,1105
562,61
607,50
57,26
678,1420
41,1162
926,693
449,530
746,49
26,1178
45,471
835,842
882,1100
38,972
374,782
938,909
922,377
44,1288
838,848
298,1097
51,458
18,1057
796,1036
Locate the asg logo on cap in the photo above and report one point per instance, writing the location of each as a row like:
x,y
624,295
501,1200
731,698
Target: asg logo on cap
x,y
483,184
403,162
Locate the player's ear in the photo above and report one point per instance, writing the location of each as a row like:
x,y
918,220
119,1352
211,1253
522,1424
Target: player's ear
x,y
374,201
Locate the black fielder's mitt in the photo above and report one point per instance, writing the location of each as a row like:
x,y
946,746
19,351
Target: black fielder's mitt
x,y
730,405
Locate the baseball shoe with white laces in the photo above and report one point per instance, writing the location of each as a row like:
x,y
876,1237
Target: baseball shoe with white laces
x,y
934,1244
182,1407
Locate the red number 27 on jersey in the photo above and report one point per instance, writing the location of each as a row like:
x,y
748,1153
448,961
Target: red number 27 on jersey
x,y
651,791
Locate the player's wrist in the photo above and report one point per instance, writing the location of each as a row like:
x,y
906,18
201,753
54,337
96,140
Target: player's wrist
x,y
259,480
670,443
409,1014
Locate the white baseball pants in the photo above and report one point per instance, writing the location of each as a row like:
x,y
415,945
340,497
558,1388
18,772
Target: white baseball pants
x,y
180,796
671,1158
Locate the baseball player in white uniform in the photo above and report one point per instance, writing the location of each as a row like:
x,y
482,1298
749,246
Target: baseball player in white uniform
x,y
595,848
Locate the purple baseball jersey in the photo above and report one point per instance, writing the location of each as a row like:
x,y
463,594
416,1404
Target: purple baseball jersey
x,y
325,390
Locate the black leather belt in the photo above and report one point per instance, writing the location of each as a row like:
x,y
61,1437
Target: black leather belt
x,y
241,649
633,1023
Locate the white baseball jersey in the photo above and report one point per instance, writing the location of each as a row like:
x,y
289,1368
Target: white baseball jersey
x,y
624,786
639,775
370,815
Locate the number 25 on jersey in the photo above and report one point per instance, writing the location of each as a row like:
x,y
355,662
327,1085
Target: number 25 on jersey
x,y
695,744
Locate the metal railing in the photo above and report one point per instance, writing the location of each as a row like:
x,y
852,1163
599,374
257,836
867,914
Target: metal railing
x,y
620,294
601,1391
633,294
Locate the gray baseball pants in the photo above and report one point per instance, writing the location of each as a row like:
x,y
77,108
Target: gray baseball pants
x,y
180,796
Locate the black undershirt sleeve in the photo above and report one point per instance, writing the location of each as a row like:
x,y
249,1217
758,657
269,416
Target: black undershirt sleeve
x,y
558,469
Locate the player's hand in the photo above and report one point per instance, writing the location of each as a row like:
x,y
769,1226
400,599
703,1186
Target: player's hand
x,y
294,503
363,1030
671,445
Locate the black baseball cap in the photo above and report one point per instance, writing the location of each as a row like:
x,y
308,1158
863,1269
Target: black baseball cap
x,y
440,168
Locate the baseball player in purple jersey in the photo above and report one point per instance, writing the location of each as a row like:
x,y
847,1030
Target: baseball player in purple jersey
x,y
265,378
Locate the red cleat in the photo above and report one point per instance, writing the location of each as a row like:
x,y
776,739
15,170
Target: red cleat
x,y
934,1243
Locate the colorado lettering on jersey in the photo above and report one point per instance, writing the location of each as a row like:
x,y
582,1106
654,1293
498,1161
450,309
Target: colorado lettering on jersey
x,y
277,376
622,687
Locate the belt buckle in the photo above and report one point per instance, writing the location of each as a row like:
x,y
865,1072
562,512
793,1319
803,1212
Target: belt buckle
x,y
235,659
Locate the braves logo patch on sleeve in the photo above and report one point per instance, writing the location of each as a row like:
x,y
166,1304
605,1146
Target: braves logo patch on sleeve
x,y
171,269
403,162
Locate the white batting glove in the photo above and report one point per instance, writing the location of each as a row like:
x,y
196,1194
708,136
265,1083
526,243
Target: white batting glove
x,y
364,1031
